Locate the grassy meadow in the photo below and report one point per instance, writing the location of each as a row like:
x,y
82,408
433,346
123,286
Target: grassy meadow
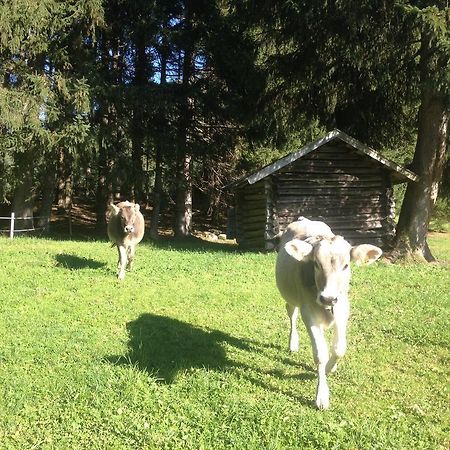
x,y
190,352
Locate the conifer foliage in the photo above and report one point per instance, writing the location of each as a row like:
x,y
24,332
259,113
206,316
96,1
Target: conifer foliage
x,y
166,102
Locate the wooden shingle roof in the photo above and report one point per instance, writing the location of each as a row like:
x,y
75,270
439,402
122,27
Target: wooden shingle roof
x,y
399,174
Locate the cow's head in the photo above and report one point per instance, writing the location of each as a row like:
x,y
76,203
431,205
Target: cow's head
x,y
127,215
331,257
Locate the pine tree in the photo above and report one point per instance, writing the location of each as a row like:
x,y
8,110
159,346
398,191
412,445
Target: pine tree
x,y
43,104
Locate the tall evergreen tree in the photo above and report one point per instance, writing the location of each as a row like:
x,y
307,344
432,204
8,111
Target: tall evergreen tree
x,y
432,26
43,103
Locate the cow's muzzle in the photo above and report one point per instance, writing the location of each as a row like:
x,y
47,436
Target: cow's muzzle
x,y
328,302
129,229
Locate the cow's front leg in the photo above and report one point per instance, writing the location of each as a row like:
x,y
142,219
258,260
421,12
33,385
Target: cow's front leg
x,y
130,251
339,348
122,261
320,354
292,312
339,338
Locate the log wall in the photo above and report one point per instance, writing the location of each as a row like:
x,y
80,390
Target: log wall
x,y
251,215
349,191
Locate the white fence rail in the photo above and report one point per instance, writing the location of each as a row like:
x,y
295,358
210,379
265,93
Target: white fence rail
x,y
12,222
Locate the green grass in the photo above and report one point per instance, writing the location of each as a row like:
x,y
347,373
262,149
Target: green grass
x,y
190,352
440,220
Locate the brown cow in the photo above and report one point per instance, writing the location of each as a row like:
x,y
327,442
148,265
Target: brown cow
x,y
125,229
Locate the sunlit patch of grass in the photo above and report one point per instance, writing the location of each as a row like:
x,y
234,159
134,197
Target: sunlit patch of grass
x,y
190,351
440,221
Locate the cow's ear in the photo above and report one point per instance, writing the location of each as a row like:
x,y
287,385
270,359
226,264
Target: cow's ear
x,y
113,208
137,207
365,254
298,249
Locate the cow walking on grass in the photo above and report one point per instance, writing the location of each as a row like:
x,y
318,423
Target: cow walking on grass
x,y
313,277
125,230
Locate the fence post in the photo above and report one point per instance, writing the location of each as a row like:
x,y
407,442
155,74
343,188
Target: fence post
x,y
11,229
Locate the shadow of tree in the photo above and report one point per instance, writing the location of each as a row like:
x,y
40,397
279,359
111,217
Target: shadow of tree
x,y
162,346
76,262
188,244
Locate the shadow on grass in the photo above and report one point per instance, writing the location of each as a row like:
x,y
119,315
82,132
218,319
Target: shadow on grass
x,y
162,347
76,262
188,244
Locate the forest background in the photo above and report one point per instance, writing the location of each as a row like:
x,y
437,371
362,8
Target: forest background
x,y
166,102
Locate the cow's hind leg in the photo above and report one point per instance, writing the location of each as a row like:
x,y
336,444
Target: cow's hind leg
x,y
292,312
320,354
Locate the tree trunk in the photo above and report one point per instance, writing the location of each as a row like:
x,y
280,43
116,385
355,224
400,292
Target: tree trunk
x,y
64,182
428,163
157,190
104,188
23,194
183,215
184,198
23,205
445,185
138,128
48,188
110,129
160,149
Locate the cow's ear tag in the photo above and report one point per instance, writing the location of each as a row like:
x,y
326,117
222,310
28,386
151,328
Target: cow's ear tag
x,y
137,207
298,249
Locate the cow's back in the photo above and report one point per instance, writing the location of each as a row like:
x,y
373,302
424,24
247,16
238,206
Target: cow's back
x,y
304,228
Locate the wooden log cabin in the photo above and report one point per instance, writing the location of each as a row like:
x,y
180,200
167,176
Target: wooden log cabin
x,y
335,179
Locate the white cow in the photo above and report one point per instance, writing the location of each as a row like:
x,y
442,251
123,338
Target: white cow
x,y
313,276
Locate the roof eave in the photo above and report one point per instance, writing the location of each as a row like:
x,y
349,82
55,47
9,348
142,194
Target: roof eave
x,y
277,165
402,174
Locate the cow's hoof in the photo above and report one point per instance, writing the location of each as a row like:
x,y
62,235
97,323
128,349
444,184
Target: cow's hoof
x,y
293,344
323,397
322,403
121,276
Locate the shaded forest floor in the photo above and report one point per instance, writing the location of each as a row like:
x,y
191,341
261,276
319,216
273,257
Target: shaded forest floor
x,y
82,222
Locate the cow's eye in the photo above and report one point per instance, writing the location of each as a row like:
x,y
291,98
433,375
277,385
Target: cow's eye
x,y
345,267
